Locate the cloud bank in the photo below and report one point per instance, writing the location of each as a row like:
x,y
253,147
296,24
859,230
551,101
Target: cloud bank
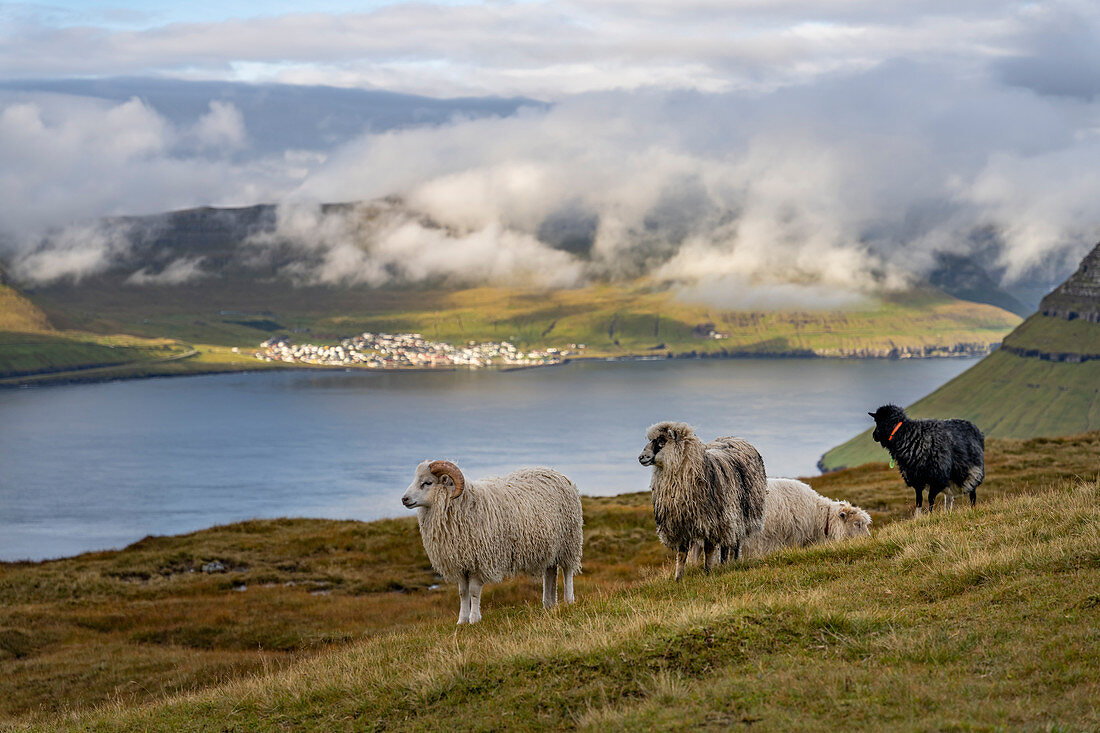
x,y
753,154
848,186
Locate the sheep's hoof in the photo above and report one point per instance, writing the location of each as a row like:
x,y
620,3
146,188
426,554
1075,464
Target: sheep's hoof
x,y
462,621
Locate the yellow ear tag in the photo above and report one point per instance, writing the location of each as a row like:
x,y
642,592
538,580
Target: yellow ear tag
x,y
891,463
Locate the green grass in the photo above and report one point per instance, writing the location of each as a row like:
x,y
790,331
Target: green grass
x,y
621,319
1011,396
34,353
610,321
1056,336
30,359
19,314
984,618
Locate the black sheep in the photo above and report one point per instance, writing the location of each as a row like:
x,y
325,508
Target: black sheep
x,y
944,455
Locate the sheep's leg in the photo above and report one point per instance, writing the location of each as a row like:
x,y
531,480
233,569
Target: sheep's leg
x,y
550,586
737,550
973,497
710,550
920,500
933,493
475,599
726,554
464,600
695,552
948,501
681,560
568,575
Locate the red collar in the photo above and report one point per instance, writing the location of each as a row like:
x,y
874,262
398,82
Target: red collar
x,y
894,431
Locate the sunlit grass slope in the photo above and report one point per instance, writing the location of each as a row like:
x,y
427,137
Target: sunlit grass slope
x,y
616,320
33,350
19,314
26,353
610,320
983,618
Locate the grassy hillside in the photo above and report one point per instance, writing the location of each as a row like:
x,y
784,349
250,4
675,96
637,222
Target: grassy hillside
x,y
17,313
1055,336
80,358
609,319
1012,396
32,353
336,625
32,350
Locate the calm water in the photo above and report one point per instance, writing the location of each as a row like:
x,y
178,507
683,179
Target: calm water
x,y
98,466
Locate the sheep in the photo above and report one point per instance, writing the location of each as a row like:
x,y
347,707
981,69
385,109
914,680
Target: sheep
x,y
795,516
945,455
713,492
477,532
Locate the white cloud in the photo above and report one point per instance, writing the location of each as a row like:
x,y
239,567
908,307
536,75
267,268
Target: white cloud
x,y
221,127
546,49
792,147
377,244
176,272
66,159
74,252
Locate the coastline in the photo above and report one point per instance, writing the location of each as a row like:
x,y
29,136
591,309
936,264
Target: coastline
x,y
172,367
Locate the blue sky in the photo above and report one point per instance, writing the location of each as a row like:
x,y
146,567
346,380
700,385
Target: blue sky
x,y
135,15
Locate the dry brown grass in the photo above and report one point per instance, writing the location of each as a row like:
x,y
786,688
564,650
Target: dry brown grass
x,y
146,624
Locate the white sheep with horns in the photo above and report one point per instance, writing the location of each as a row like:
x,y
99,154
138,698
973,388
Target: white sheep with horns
x,y
478,532
795,516
703,492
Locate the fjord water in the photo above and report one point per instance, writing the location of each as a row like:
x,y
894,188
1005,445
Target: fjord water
x,y
97,466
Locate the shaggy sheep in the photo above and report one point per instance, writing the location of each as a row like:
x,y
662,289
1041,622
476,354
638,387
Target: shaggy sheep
x,y
477,532
712,492
945,455
795,516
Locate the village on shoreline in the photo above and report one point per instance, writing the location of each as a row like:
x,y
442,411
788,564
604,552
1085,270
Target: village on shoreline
x,y
407,351
410,350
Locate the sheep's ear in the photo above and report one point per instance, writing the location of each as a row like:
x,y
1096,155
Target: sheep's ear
x,y
871,414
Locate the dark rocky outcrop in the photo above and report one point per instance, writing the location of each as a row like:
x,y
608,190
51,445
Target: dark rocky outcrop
x,y
1079,296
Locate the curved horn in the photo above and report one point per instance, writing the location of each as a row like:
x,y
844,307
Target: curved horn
x,y
446,468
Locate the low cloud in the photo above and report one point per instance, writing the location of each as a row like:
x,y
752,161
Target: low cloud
x,y
66,159
177,272
221,128
835,175
848,187
74,253
382,243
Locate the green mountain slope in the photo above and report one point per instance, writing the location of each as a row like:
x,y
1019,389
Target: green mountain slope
x,y
17,313
1045,379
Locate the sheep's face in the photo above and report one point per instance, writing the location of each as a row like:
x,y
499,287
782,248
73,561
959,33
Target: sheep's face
x,y
886,419
665,439
427,488
855,521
